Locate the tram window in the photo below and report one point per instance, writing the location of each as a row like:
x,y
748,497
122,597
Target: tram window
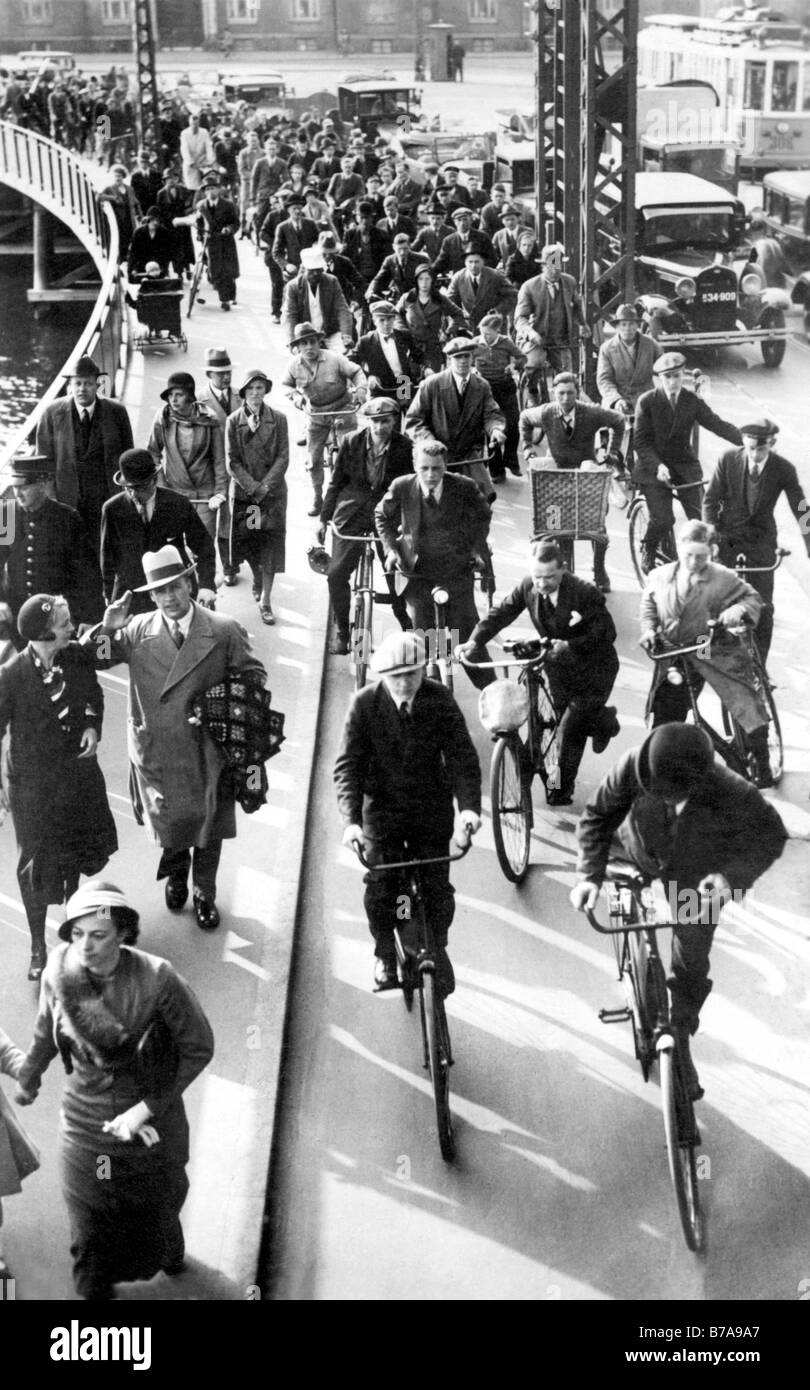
x,y
754,94
784,86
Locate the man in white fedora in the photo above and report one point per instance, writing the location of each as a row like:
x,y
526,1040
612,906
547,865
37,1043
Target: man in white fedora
x,y
177,788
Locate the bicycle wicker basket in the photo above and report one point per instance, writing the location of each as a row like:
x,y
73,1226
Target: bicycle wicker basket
x,y
568,502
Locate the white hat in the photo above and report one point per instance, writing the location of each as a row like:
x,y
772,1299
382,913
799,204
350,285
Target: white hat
x,y
312,258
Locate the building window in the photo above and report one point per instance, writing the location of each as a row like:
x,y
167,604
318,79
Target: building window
x,y
242,11
116,11
37,12
305,10
382,11
483,11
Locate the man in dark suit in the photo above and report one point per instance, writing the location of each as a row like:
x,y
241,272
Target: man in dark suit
x,y
429,238
84,434
549,317
457,408
581,664
571,427
665,419
505,241
364,244
405,755
312,293
46,547
479,290
145,517
433,526
394,221
385,356
454,248
292,236
739,503
398,271
367,463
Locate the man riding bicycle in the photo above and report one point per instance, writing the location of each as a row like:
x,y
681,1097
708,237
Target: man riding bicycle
x,y
581,664
367,463
456,407
329,383
624,369
677,605
405,754
681,818
665,419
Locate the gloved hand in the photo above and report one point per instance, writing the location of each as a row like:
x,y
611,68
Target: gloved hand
x,y
466,824
126,1125
353,836
216,501
584,896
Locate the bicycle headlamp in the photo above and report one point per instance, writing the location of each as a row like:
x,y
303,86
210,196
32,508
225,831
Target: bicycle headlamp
x,y
674,676
441,597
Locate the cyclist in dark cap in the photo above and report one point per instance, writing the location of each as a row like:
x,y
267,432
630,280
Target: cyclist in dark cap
x,y
689,822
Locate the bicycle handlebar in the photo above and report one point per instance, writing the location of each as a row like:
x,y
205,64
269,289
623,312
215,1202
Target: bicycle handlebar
x,y
409,863
630,926
522,661
333,414
344,536
741,567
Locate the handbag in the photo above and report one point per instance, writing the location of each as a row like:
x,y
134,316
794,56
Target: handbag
x,y
24,1151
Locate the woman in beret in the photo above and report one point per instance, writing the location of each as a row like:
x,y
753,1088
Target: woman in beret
x,y
52,705
257,458
132,1037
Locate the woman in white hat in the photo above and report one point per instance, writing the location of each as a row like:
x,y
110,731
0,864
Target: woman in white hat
x,y
257,458
132,1037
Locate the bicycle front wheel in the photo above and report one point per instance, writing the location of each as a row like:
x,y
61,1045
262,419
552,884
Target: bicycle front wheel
x,y
510,794
548,726
638,519
361,638
439,1059
682,1138
195,285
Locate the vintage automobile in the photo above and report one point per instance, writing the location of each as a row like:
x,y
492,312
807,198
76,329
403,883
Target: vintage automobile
x,y
425,148
786,213
513,165
695,284
266,91
378,101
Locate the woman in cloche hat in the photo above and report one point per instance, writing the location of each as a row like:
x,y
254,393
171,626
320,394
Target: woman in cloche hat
x,y
258,455
52,705
186,438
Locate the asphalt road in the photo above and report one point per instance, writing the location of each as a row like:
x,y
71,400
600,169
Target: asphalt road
x,y
560,1188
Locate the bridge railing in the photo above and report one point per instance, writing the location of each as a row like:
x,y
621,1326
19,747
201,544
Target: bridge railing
x,y
61,182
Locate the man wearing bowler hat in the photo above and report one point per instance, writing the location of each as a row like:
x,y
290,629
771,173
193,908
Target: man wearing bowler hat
x,y
294,233
740,500
405,756
217,220
624,370
367,463
145,516
177,786
665,456
84,434
45,546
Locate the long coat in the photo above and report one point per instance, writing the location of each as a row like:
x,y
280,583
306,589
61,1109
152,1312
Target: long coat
x,y
56,438
622,374
49,552
204,474
435,413
665,436
221,219
337,316
742,528
11,1059
58,800
682,621
258,461
350,499
424,321
176,767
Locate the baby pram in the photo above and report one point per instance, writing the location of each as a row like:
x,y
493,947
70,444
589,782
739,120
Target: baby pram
x,y
158,308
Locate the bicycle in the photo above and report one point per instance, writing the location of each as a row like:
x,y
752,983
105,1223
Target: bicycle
x,y
336,435
732,744
364,596
517,760
634,930
200,265
416,951
568,504
638,521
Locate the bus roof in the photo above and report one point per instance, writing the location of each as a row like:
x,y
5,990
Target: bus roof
x,y
668,190
794,182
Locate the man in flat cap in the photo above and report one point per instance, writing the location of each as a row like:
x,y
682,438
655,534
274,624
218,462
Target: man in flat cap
x,y
84,434
665,457
453,252
397,274
456,407
385,356
549,318
46,546
178,789
143,517
367,463
740,501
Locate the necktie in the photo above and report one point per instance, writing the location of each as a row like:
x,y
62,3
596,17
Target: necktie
x,y
431,501
177,634
546,610
552,292
141,510
85,429
253,421
475,285
754,472
404,715
568,426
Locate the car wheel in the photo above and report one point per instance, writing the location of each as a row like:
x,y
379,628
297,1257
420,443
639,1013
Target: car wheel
x,y
773,352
